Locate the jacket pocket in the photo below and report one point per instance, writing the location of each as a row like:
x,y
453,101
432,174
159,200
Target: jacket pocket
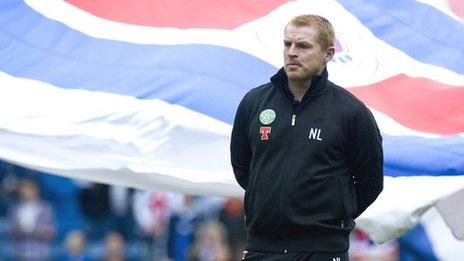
x,y
316,199
246,203
348,197
249,201
260,205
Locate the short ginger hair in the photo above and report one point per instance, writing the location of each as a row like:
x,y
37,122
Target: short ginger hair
x,y
326,33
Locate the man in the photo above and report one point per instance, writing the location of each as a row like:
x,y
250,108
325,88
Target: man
x,y
32,223
307,153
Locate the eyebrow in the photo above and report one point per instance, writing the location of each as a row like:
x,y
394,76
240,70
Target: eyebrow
x,y
297,41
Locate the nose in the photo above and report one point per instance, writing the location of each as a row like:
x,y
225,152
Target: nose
x,y
292,52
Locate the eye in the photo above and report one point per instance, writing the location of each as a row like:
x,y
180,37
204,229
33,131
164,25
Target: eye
x,y
287,43
304,46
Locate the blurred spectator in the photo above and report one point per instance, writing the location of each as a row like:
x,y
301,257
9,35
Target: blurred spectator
x,y
115,247
182,228
8,182
210,243
32,223
121,218
96,209
75,243
63,194
208,207
107,208
231,216
152,211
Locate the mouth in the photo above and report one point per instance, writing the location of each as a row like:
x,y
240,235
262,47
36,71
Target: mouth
x,y
293,65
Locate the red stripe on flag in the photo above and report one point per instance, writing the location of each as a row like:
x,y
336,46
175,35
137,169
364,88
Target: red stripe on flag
x,y
457,6
223,14
417,103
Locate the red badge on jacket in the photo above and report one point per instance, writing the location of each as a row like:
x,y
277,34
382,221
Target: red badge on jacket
x,y
265,132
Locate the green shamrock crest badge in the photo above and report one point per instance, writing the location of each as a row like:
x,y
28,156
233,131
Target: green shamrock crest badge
x,y
267,116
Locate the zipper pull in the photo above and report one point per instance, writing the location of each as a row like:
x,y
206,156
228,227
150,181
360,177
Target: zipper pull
x,y
343,223
293,119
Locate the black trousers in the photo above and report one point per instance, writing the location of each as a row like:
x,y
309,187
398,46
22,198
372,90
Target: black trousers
x,y
295,256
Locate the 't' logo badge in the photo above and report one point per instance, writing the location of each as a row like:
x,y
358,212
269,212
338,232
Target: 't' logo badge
x,y
265,132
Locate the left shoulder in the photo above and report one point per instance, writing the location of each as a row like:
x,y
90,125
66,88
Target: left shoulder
x,y
345,99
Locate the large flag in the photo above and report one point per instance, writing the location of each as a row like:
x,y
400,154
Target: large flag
x,y
143,93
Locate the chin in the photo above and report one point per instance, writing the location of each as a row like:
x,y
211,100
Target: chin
x,y
297,76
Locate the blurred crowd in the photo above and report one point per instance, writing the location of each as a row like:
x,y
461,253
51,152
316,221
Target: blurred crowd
x,y
48,217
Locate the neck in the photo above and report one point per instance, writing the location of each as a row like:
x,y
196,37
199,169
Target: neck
x,y
299,88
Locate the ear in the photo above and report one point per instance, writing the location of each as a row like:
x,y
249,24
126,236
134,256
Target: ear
x,y
329,54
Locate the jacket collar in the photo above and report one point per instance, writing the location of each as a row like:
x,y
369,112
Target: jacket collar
x,y
318,84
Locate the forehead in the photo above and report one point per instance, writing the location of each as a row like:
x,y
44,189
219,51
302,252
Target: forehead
x,y
300,33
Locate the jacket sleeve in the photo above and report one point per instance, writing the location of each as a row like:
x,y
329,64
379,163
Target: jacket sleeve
x,y
240,150
365,158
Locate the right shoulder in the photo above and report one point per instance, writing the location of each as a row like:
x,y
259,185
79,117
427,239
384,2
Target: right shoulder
x,y
252,100
256,93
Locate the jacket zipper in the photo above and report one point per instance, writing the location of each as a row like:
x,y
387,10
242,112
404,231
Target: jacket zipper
x,y
284,189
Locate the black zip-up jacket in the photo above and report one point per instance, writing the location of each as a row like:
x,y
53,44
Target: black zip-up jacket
x,y
308,168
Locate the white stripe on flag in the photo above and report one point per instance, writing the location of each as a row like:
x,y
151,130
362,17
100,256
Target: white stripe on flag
x,y
114,139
